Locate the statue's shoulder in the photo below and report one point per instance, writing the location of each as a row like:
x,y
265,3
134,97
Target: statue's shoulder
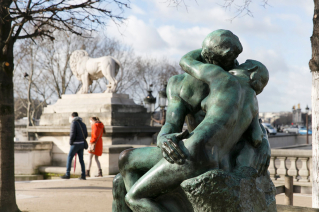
x,y
175,83
177,78
189,89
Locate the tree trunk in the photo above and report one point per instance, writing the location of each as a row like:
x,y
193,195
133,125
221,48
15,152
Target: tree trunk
x,y
30,78
7,186
314,67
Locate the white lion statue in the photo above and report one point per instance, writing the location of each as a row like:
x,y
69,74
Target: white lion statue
x,y
87,69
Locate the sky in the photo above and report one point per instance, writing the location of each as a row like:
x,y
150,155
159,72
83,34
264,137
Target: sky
x,y
278,36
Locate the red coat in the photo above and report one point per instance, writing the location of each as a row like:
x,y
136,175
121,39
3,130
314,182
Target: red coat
x,y
97,131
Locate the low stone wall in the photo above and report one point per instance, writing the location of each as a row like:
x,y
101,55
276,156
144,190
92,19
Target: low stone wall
x,y
30,155
288,140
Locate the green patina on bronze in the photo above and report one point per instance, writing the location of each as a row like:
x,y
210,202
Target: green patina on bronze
x,y
217,99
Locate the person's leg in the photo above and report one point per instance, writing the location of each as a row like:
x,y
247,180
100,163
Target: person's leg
x,y
100,174
80,155
97,162
90,161
165,177
70,158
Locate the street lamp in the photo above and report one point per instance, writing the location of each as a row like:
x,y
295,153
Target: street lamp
x,y
307,110
150,101
162,104
162,96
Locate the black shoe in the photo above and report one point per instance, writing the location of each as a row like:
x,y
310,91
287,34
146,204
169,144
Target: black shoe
x,y
82,178
65,177
100,174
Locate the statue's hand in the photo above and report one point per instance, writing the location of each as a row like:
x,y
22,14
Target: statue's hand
x,y
262,157
170,149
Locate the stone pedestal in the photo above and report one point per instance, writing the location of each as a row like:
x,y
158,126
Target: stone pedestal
x,y
112,109
241,191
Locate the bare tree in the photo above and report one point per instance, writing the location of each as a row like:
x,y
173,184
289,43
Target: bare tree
x,y
55,60
43,18
243,8
31,83
151,71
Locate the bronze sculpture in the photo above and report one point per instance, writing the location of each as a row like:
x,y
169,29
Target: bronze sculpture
x,y
217,97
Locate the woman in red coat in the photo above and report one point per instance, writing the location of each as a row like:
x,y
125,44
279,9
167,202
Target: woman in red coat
x,y
96,141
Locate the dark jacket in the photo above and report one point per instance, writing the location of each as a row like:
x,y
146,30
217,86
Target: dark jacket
x,y
76,134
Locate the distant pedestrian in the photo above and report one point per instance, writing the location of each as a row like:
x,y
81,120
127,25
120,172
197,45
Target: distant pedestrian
x,y
78,137
96,144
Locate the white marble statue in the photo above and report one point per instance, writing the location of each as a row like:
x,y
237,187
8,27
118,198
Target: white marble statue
x,y
87,69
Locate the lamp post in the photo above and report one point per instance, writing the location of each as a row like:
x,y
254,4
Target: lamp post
x,y
150,100
162,103
307,110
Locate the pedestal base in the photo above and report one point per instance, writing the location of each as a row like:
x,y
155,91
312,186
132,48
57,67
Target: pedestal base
x,y
112,109
241,191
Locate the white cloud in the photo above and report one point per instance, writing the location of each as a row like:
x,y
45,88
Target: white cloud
x,y
288,84
287,89
212,15
181,41
142,36
137,10
307,5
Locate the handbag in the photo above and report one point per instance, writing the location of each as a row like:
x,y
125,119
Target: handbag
x,y
86,146
92,145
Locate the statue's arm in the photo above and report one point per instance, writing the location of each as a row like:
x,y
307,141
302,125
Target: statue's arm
x,y
175,116
255,133
191,64
176,109
263,154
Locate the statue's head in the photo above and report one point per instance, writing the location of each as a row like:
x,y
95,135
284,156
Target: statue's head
x,y
75,58
257,73
221,47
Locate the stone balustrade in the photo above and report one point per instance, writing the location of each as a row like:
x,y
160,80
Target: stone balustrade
x,y
291,162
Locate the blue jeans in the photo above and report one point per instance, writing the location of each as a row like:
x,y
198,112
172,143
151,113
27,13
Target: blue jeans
x,y
76,148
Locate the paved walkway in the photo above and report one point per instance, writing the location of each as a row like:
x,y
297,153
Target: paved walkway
x,y
94,194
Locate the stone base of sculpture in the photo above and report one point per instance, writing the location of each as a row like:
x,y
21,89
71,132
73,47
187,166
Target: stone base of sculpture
x,y
242,191
112,109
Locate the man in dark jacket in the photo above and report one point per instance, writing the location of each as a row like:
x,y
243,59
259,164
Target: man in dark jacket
x,y
78,136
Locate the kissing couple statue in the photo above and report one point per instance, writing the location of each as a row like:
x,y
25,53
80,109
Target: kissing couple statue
x,y
221,162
